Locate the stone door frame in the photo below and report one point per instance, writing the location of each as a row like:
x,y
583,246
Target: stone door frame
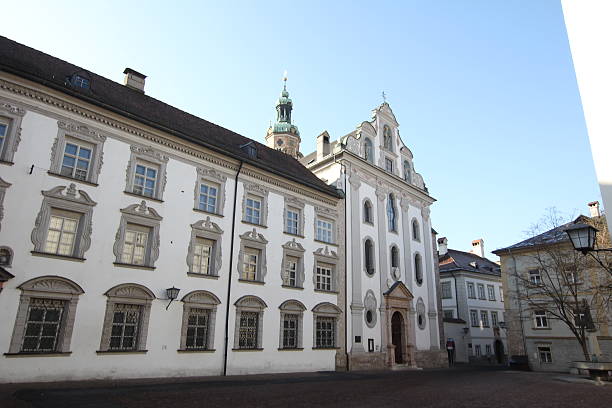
x,y
399,299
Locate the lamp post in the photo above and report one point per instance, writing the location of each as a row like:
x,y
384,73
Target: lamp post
x,y
583,238
172,294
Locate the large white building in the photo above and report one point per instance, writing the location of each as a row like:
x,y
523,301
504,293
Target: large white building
x,y
109,197
392,317
472,303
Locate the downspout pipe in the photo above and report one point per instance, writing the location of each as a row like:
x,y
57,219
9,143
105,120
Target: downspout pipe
x,y
231,265
456,295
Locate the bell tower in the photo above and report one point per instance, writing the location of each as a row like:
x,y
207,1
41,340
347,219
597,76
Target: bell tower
x,y
283,135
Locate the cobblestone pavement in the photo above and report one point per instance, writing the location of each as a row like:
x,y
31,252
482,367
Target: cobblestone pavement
x,y
460,387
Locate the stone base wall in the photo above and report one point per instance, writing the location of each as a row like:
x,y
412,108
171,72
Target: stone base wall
x,y
367,361
431,358
341,361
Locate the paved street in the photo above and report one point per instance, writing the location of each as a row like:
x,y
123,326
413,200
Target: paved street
x,y
462,387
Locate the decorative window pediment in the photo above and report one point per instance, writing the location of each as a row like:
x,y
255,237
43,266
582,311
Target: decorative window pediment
x,y
326,253
137,239
130,291
254,236
292,306
146,172
201,297
204,252
209,193
10,130
292,267
327,308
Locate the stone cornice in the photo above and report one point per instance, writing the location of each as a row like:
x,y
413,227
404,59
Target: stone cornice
x,y
170,142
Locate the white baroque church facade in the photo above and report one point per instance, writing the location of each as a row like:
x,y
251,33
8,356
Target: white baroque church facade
x,y
392,300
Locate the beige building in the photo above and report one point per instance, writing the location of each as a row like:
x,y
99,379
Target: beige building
x,y
552,293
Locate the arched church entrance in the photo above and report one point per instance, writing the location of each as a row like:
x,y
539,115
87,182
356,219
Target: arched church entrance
x,y
397,334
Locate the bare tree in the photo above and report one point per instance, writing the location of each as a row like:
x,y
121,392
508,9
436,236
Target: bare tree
x,y
564,284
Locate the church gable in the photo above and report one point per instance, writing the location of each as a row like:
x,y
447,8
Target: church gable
x,y
399,290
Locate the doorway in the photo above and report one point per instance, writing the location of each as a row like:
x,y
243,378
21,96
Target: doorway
x,y
499,351
397,334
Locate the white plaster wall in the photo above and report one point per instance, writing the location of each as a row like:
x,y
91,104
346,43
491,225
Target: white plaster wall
x,y
98,274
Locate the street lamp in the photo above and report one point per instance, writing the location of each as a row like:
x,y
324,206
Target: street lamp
x,y
172,294
582,237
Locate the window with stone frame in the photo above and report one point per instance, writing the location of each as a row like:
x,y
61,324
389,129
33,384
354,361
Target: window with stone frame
x,y
63,224
484,318
368,251
545,354
3,187
291,330
481,292
292,270
368,150
137,238
10,130
248,333
77,152
418,269
293,216
45,316
535,278
471,292
478,350
199,317
446,290
204,251
368,215
501,294
448,313
324,270
540,319
323,276
370,311
491,291
252,264
389,165
391,213
325,320
146,172
420,314
255,204
407,172
126,319
416,230
209,192
325,224
474,318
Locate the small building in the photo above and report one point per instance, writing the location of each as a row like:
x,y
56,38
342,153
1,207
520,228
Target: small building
x,y
472,295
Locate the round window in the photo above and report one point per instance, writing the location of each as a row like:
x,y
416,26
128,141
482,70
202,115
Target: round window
x,y
369,316
279,142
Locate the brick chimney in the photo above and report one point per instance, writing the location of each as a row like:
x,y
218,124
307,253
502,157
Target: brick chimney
x,y
134,80
594,209
442,246
478,247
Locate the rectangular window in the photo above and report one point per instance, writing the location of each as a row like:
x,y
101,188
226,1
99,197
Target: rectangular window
x,y
249,323
540,319
253,211
491,290
135,244
477,350
449,314
545,354
145,179
290,273
488,349
62,232
471,291
389,165
325,332
197,329
209,195
324,231
124,331
293,217
481,292
43,325
534,277
202,255
446,290
474,318
76,160
249,264
484,318
494,319
323,277
501,294
3,133
290,331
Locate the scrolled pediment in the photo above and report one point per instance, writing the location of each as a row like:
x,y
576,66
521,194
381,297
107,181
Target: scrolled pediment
x,y
142,210
207,225
53,284
254,236
131,291
293,245
203,297
292,306
70,194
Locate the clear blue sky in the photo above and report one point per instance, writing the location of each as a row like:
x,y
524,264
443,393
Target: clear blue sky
x,y
484,91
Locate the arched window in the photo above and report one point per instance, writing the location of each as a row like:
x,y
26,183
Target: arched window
x,y
291,328
387,139
248,330
394,257
368,249
407,171
367,212
391,213
199,317
368,150
416,233
418,269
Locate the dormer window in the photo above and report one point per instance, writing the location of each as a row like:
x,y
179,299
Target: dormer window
x,y
79,81
250,149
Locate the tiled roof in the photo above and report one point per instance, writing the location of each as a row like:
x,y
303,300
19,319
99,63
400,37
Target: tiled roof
x,y
455,260
54,73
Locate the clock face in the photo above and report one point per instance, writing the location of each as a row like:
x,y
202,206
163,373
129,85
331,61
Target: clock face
x,y
279,142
